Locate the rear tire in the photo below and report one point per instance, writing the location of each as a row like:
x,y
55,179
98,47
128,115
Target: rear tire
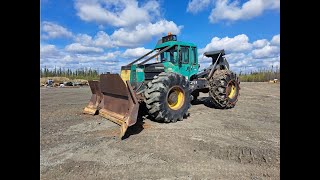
x,y
224,89
168,97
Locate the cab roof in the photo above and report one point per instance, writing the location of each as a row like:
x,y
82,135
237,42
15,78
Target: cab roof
x,y
171,40
172,43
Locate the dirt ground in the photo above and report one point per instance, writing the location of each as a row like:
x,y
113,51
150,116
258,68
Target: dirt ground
x,y
238,143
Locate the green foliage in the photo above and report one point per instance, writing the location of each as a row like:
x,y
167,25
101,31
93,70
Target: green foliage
x,y
260,76
87,74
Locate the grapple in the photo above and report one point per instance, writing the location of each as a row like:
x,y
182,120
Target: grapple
x,y
115,100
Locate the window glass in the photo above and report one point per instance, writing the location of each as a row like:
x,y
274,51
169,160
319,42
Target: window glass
x,y
185,54
194,55
169,55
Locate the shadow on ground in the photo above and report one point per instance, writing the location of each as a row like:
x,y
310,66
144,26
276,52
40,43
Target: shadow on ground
x,y
139,126
135,129
205,101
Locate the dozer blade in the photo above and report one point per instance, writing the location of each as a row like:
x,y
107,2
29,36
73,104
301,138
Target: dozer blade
x,y
119,104
95,100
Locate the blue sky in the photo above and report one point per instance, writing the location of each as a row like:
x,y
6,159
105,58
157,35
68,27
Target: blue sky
x,y
105,34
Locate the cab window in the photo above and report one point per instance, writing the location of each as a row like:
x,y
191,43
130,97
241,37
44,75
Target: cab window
x,y
185,54
169,55
194,55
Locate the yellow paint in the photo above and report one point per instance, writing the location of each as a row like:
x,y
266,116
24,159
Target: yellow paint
x,y
125,75
180,100
232,91
89,110
116,118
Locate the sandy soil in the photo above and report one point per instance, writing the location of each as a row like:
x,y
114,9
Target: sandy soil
x,y
238,143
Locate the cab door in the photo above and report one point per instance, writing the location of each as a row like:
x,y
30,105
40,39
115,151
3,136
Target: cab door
x,y
194,65
184,64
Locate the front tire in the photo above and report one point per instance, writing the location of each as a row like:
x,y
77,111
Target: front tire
x,y
224,89
168,97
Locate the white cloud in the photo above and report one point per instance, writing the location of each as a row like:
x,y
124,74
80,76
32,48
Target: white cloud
x,y
266,52
232,11
51,56
235,57
243,55
260,43
275,62
126,37
84,39
194,6
49,51
78,48
266,49
249,63
118,13
109,58
153,9
101,39
204,62
53,30
136,52
143,33
246,61
238,43
276,40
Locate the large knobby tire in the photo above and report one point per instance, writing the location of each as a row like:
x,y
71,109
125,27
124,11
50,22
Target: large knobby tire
x,y
167,97
224,89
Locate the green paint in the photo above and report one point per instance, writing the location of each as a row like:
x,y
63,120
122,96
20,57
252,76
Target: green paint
x,y
184,63
136,74
189,58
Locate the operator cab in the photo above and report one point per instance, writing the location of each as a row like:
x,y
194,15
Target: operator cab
x,y
177,56
178,52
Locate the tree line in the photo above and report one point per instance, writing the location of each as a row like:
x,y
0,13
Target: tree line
x,y
83,73
261,75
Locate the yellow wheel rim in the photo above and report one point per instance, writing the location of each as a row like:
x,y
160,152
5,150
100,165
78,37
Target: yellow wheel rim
x,y
232,91
175,98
